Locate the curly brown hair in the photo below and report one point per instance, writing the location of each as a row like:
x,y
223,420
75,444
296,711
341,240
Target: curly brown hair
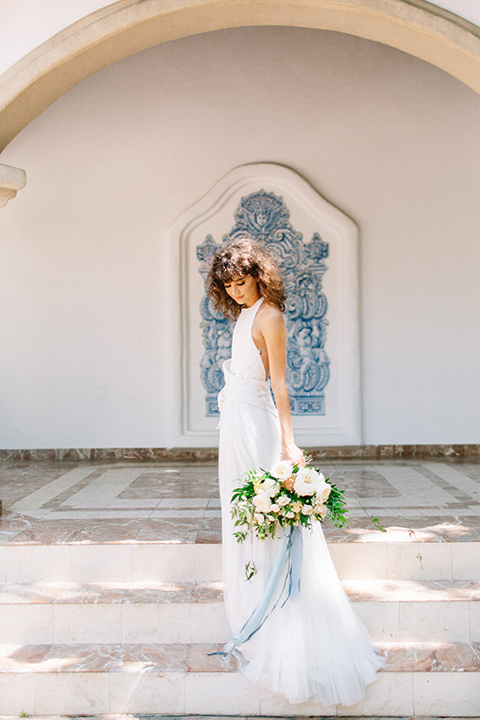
x,y
237,258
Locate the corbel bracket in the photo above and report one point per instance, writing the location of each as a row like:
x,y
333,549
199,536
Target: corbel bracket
x,y
12,180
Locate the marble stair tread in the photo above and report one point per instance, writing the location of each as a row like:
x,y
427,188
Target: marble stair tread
x,y
412,590
211,592
19,529
197,658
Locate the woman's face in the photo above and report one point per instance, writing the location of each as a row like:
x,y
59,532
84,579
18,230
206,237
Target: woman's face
x,y
243,289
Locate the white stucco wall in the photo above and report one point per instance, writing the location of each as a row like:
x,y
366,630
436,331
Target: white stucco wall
x,y
90,288
25,24
468,9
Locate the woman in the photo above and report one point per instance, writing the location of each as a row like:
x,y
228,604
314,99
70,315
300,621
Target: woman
x,y
316,647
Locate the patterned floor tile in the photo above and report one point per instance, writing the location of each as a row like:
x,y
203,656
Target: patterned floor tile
x,y
67,502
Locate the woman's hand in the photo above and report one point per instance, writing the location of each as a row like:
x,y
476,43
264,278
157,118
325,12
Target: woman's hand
x,y
293,453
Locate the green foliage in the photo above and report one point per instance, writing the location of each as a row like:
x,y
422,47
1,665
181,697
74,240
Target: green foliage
x,y
250,570
377,524
337,511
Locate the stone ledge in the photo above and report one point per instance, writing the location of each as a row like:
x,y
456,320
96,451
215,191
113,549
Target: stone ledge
x,y
192,454
12,180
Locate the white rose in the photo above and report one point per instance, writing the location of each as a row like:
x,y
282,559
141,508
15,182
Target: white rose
x,y
282,470
262,502
290,514
307,481
275,508
270,487
297,506
307,510
323,490
259,518
283,500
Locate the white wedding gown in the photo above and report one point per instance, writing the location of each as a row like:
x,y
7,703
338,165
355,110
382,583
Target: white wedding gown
x,y
314,648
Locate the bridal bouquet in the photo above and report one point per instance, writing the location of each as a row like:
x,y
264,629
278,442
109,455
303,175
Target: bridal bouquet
x,y
263,504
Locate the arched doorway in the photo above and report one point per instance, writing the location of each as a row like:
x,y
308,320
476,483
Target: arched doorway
x,y
122,29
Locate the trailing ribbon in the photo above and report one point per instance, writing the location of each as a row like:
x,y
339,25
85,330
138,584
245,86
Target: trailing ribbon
x,y
290,551
296,558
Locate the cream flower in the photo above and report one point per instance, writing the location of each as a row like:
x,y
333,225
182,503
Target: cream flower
x,y
306,481
275,508
320,509
297,506
259,518
307,510
262,503
283,500
323,490
282,470
290,514
270,487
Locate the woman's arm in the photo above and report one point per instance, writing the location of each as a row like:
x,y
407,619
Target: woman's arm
x,y
272,327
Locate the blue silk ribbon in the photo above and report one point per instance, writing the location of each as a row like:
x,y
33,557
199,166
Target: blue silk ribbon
x,y
296,559
290,552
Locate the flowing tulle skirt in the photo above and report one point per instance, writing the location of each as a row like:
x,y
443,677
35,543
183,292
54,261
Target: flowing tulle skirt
x,y
315,648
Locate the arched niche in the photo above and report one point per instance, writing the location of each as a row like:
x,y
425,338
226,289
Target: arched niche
x,y
317,246
125,27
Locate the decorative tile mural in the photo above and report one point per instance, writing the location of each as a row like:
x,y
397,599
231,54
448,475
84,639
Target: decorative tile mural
x,y
316,245
265,216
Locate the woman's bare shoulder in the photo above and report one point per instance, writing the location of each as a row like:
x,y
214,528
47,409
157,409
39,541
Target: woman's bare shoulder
x,y
270,316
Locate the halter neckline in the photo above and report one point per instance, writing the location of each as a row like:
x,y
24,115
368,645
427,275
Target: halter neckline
x,y
255,304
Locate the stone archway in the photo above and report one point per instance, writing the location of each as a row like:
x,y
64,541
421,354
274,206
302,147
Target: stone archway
x,y
127,27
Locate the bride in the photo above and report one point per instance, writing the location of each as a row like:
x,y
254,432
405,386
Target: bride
x,y
313,648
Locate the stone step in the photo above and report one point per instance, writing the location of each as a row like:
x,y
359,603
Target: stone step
x,y
182,562
173,679
62,613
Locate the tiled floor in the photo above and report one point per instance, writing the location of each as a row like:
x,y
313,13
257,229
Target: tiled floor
x,y
154,502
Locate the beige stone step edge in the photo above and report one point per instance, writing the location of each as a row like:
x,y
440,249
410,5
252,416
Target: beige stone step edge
x,y
40,593
167,682
206,622
184,562
195,614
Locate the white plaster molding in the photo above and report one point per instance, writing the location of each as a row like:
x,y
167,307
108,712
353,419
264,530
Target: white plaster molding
x,y
309,213
12,180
